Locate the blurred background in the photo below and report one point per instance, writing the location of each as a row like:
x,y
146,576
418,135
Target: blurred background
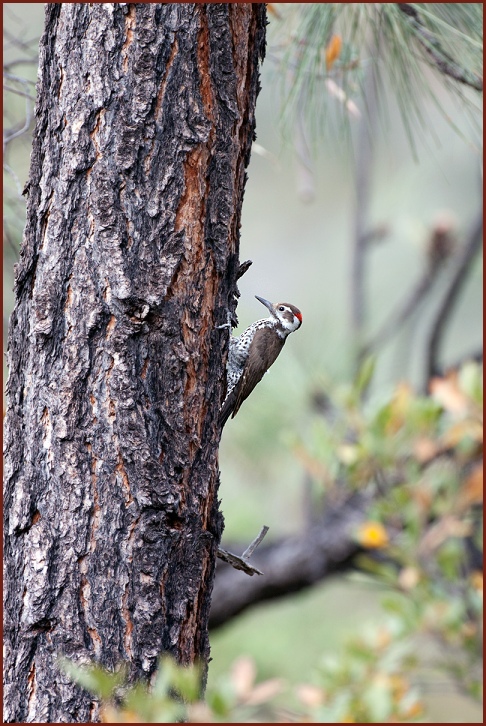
x,y
302,213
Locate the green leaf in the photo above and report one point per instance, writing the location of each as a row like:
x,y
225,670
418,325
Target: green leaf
x,y
471,381
219,702
186,680
364,375
378,698
94,678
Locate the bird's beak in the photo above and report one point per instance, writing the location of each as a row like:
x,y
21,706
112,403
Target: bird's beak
x,y
267,303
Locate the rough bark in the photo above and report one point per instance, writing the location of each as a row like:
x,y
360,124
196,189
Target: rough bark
x,y
144,123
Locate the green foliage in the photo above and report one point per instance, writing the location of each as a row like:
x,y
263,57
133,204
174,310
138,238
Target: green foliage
x,y
167,701
94,678
175,693
419,459
407,452
366,683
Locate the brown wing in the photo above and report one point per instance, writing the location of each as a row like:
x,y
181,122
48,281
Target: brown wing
x,y
263,352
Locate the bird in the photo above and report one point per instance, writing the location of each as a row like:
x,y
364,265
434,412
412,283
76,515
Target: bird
x,y
253,352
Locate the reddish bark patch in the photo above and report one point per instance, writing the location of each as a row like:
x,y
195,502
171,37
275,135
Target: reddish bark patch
x,y
130,22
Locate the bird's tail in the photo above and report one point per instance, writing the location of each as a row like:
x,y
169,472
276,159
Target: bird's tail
x,y
227,408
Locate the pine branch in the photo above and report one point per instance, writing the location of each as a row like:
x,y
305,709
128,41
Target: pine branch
x,y
442,60
383,35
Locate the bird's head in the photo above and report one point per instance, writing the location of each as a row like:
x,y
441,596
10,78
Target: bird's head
x,y
287,316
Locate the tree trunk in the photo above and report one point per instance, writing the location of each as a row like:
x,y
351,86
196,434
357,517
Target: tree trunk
x,y
144,124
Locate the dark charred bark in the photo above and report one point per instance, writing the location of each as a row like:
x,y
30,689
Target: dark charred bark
x,y
144,124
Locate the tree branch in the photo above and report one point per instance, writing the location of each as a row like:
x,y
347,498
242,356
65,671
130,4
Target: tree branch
x,y
442,60
242,563
439,249
404,311
244,267
291,564
253,545
464,260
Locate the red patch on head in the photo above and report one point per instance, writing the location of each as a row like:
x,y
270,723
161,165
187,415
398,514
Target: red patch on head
x,y
298,315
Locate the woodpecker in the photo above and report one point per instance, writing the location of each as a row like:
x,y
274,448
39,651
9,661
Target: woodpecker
x,y
252,353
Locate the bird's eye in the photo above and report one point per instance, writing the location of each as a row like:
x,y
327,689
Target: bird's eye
x,y
281,308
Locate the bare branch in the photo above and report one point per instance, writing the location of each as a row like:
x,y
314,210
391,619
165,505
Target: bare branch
x,y
18,93
25,127
463,263
14,176
439,249
253,545
21,62
18,79
305,173
292,564
25,45
242,563
237,562
405,311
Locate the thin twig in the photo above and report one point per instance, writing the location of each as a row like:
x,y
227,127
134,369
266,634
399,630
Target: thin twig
x,y
444,63
237,562
21,62
464,260
23,129
18,92
252,547
306,183
294,562
15,41
18,79
241,562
